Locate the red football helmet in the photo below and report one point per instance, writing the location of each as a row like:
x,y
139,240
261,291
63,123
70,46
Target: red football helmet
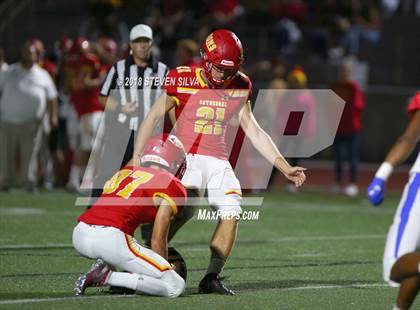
x,y
222,49
167,151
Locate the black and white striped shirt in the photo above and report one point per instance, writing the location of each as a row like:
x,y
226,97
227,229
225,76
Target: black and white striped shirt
x,y
128,83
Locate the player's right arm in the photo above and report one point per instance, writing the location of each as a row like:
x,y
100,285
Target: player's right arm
x,y
399,152
163,104
169,198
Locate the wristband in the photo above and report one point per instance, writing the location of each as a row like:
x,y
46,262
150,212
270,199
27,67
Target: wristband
x,y
384,171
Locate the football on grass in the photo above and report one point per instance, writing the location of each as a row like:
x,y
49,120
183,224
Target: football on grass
x,y
176,260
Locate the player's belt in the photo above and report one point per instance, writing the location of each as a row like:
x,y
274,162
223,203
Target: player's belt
x,y
97,226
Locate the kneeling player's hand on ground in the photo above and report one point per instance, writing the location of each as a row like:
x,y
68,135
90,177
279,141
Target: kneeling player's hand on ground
x,y
376,191
296,175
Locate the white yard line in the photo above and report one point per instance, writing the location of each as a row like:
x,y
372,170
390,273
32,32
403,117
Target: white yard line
x,y
326,287
327,238
21,211
35,246
328,208
276,240
34,300
299,288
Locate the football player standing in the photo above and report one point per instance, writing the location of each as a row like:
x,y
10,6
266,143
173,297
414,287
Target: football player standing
x,y
201,126
401,261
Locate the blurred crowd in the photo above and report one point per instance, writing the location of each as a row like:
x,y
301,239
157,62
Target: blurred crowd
x,y
330,29
41,137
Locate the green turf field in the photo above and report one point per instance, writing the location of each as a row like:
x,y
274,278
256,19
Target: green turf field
x,y
306,251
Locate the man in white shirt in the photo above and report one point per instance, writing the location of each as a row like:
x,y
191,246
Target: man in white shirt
x,y
28,92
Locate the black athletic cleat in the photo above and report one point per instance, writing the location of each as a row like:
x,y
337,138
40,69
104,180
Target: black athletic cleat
x,y
212,283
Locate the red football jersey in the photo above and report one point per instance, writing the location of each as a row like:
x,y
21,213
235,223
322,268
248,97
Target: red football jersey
x,y
129,198
85,100
414,104
202,114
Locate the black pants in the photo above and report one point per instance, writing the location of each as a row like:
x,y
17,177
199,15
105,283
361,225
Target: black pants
x,y
346,147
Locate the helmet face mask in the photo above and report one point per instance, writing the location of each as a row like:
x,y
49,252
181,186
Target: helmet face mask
x,y
220,75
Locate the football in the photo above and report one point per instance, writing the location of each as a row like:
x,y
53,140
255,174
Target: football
x,y
178,263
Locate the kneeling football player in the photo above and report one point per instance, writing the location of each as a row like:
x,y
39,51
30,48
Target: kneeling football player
x,y
134,196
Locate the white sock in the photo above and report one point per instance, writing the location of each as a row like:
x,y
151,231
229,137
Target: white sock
x,y
395,307
75,173
216,265
141,283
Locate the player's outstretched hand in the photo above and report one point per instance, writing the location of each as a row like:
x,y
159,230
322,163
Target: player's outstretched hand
x,y
376,191
296,175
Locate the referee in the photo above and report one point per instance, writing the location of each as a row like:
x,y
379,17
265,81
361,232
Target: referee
x,y
130,88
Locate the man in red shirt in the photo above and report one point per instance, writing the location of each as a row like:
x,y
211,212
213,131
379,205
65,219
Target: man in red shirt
x,y
205,99
348,134
135,196
86,77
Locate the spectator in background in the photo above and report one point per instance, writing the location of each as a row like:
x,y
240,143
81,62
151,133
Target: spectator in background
x,y
41,60
104,21
366,24
86,78
225,12
43,159
28,93
68,124
107,50
187,53
220,14
170,21
290,14
348,134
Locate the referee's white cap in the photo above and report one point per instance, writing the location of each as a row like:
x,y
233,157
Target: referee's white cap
x,y
141,31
